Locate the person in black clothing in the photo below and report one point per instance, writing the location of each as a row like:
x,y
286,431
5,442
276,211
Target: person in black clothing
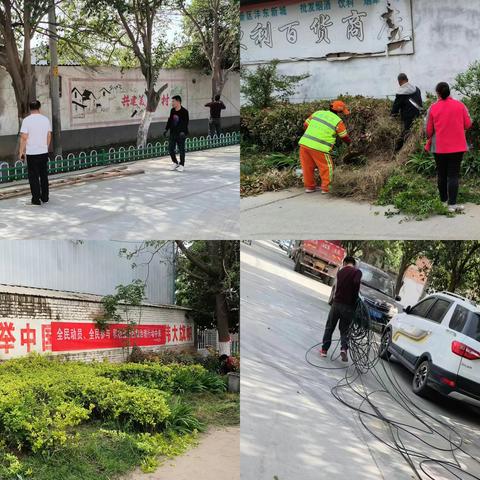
x,y
215,122
408,103
344,297
178,125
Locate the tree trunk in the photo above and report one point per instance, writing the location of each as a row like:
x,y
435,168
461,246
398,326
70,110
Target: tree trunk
x,y
153,99
218,79
221,311
143,128
401,272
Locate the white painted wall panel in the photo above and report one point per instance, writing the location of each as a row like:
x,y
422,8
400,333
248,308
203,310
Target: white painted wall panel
x,y
446,38
87,267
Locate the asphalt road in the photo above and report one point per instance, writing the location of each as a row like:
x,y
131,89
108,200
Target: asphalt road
x,y
292,213
292,426
200,203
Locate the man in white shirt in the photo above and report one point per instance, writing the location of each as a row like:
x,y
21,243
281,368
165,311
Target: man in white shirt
x,y
35,137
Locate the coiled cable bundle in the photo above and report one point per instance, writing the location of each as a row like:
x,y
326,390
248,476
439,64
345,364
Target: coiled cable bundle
x,y
431,447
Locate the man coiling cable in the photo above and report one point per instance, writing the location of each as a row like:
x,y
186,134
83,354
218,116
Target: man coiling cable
x,y
343,300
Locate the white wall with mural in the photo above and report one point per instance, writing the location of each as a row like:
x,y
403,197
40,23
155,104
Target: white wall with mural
x,y
340,62
94,97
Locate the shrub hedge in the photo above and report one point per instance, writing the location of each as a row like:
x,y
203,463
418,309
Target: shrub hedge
x,y
43,399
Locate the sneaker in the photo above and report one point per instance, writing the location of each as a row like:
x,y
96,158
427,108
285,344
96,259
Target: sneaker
x,y
324,192
174,166
310,190
36,202
343,355
323,353
456,208
181,168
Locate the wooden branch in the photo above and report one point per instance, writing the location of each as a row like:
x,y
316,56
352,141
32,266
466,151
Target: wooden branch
x,y
196,261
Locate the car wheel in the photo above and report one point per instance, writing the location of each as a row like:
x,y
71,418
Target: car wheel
x,y
298,265
384,344
420,378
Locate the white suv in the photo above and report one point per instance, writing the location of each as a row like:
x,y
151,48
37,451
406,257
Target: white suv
x,y
439,340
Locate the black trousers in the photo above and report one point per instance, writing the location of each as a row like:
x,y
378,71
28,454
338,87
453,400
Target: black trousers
x,y
407,125
37,166
448,171
343,313
215,126
177,139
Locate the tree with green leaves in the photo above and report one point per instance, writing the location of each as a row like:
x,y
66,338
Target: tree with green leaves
x,y
117,307
264,86
208,280
209,283
134,25
20,21
468,84
455,267
214,26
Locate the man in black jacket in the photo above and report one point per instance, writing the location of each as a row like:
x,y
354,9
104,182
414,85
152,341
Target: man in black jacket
x,y
178,125
214,124
408,103
345,298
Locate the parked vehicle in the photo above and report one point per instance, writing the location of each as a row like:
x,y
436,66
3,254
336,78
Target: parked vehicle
x,y
284,244
320,258
438,339
378,292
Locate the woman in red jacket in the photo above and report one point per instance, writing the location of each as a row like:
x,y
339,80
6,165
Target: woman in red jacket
x,y
447,120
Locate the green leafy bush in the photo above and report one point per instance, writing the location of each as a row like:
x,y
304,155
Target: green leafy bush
x,y
43,402
279,128
264,86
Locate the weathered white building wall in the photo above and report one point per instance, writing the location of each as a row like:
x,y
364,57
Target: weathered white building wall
x,y
98,97
445,35
63,323
91,266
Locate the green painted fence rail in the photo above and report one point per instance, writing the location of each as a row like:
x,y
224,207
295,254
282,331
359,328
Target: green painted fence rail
x,y
123,154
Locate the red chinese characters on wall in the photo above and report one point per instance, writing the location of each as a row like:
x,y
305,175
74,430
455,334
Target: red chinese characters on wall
x,y
67,336
20,339
7,339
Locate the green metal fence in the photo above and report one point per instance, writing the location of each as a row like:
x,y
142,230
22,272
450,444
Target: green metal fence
x,y
123,154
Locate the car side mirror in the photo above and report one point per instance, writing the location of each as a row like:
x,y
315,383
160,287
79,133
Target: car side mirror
x,y
398,298
407,309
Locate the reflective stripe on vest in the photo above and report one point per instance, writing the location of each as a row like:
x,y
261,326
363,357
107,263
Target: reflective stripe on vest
x,y
321,131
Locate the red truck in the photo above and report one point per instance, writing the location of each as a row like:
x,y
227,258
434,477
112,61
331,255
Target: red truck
x,y
320,258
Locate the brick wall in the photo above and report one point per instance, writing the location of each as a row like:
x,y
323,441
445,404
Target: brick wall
x,y
30,318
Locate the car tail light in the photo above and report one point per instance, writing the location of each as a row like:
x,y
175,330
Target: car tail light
x,y
465,351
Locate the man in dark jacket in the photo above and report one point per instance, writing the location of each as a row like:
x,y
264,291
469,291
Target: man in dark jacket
x,y
408,103
178,125
215,122
345,298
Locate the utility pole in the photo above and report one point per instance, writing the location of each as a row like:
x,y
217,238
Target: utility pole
x,y
54,80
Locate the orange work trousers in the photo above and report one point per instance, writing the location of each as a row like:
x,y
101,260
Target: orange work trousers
x,y
309,159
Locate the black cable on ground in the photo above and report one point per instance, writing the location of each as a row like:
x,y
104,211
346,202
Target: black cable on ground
x,y
426,433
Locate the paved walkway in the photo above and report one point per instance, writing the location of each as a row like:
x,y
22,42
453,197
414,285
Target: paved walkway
x,y
200,203
217,457
294,214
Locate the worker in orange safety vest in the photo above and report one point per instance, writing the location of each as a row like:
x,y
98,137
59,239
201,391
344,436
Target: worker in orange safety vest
x,y
316,144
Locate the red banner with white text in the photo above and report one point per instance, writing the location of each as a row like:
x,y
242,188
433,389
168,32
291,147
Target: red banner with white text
x,y
67,336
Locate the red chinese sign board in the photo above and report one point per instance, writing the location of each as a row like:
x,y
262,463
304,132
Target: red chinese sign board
x,y
21,338
67,336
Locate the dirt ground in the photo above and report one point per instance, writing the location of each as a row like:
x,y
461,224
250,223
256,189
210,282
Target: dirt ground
x,y
217,457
